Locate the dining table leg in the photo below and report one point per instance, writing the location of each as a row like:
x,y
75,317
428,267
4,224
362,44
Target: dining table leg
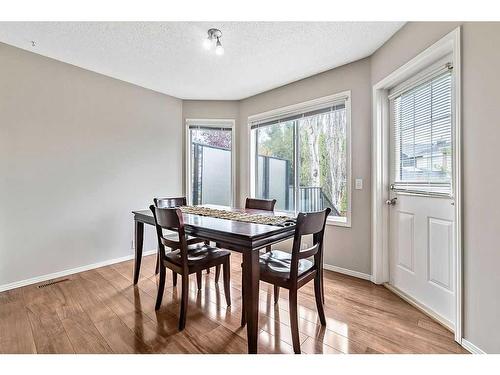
x,y
139,239
251,296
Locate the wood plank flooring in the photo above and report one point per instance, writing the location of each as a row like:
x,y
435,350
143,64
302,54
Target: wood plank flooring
x,y
100,311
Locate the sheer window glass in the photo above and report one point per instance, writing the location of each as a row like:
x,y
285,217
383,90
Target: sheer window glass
x,y
323,161
276,164
422,118
210,165
302,160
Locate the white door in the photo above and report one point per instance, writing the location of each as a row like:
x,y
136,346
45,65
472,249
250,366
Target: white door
x,y
422,215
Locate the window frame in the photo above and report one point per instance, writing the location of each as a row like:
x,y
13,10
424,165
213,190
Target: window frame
x,y
306,106
211,123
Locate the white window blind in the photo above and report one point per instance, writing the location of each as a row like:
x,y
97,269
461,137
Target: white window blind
x,y
422,135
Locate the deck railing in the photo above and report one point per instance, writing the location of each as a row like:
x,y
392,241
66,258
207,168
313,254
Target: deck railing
x,y
312,198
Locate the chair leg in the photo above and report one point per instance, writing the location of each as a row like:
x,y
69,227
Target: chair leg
x,y
319,299
157,267
243,317
217,268
207,243
217,273
198,279
161,287
174,278
276,293
294,322
184,302
226,276
322,286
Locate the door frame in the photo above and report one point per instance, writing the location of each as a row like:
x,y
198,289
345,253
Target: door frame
x,y
450,43
212,123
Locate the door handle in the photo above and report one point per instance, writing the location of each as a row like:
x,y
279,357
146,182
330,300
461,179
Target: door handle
x,y
391,202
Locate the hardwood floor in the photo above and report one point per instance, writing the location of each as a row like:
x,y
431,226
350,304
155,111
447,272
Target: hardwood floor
x,y
100,311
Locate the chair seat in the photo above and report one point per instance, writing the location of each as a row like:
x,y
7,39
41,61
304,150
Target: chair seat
x,y
197,254
276,263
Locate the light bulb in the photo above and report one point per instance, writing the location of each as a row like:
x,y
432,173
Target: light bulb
x,y
219,50
207,43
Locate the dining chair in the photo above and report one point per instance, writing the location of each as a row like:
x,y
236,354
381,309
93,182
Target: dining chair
x,y
185,259
171,203
261,204
294,270
256,204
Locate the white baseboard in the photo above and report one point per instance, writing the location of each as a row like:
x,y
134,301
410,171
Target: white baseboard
x,y
426,310
471,347
346,271
55,275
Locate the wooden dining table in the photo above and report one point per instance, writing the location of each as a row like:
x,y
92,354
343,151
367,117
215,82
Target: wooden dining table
x,y
243,237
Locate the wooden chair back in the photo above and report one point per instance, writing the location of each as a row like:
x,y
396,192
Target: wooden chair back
x,y
170,202
308,223
260,204
170,219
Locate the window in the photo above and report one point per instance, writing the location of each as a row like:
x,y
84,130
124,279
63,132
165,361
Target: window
x,y
301,157
210,177
422,135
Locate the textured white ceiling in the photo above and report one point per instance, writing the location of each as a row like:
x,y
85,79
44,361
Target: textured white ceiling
x,y
168,56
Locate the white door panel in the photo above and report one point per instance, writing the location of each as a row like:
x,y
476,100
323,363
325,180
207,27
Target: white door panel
x,y
422,256
405,222
440,252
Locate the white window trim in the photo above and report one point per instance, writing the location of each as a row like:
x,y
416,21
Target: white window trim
x,y
212,123
449,44
301,107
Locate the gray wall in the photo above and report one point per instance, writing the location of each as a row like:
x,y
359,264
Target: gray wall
x,y
78,152
481,132
344,247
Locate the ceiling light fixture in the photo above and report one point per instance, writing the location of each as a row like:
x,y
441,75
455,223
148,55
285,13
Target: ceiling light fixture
x,y
214,36
219,50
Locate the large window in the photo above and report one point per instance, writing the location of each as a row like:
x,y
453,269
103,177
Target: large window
x,y
300,157
210,162
422,136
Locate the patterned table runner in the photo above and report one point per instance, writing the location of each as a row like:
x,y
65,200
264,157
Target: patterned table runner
x,y
238,216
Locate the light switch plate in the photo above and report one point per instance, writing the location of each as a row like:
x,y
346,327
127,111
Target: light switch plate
x,y
359,184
